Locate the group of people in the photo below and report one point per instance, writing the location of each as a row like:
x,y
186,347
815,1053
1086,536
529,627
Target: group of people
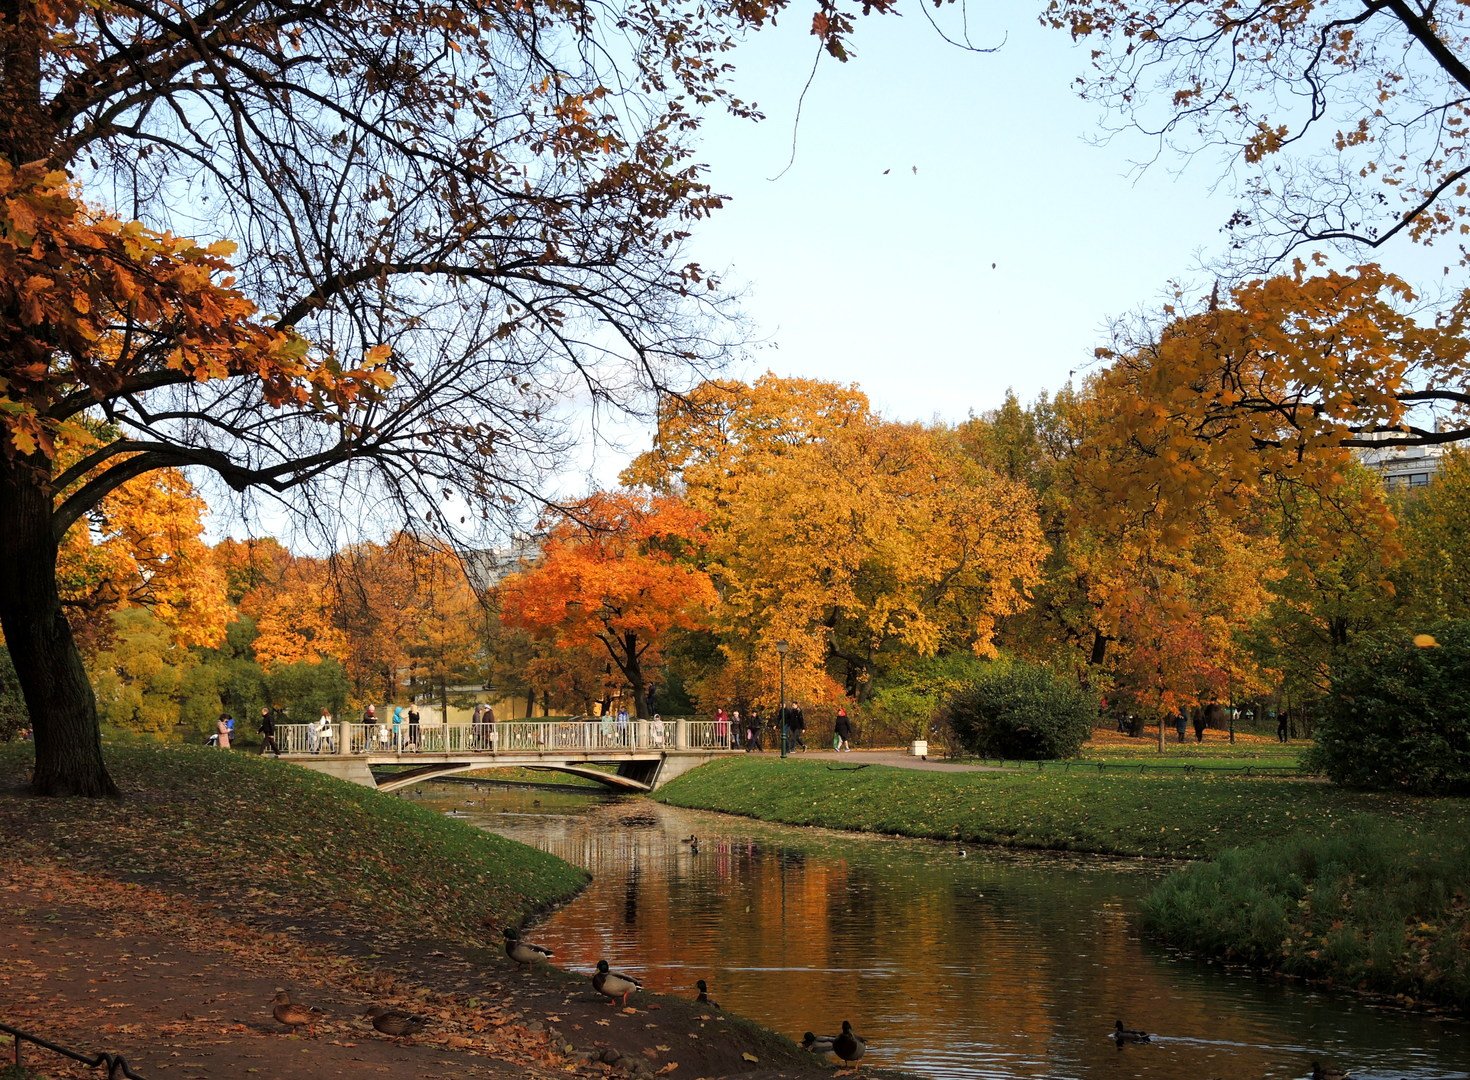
x,y
790,723
378,733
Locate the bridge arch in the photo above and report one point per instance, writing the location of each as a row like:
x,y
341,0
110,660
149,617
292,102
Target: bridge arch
x,y
396,781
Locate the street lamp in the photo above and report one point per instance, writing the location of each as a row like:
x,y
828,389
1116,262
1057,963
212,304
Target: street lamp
x,y
781,647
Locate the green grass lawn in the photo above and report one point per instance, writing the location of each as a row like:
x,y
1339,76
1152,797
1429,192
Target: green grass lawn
x,y
274,838
1117,812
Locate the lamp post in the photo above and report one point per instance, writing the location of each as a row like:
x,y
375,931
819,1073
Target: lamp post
x,y
781,647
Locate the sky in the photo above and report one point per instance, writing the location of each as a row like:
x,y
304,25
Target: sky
x,y
951,225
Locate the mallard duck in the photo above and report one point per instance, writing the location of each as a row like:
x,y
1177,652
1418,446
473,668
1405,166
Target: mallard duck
x,y
1123,1035
849,1046
1325,1072
292,1014
817,1044
614,984
396,1022
704,998
523,952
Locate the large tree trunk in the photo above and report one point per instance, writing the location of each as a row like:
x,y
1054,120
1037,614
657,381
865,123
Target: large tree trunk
x,y
47,663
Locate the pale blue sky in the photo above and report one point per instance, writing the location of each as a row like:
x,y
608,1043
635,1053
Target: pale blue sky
x,y
887,279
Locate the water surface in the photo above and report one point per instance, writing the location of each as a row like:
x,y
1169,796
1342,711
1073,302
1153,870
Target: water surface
x,y
951,962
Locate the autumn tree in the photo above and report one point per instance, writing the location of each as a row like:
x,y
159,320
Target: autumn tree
x,y
846,536
143,546
1346,117
469,209
617,571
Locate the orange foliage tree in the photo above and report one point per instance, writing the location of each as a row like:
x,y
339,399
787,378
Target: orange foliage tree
x,y
848,537
616,571
432,177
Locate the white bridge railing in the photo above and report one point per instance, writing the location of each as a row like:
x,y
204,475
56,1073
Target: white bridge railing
x,y
512,737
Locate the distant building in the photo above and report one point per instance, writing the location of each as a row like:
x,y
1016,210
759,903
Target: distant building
x,y
1401,466
488,568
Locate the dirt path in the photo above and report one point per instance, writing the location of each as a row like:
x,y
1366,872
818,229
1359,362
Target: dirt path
x,y
183,991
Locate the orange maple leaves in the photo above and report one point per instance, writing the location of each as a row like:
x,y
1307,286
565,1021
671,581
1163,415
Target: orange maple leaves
x,y
95,306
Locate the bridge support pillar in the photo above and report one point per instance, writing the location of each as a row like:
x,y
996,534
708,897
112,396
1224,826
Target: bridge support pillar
x,y
681,733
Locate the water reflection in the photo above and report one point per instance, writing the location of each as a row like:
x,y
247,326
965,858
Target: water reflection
x,y
971,964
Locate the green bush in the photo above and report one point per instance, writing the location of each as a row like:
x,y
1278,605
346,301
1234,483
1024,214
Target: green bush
x,y
904,703
1397,716
1018,710
1377,907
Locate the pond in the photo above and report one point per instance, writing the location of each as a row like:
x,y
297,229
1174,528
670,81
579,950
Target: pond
x,y
951,962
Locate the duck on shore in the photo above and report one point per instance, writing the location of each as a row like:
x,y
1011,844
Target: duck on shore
x,y
817,1044
524,953
703,997
396,1022
613,984
849,1046
292,1013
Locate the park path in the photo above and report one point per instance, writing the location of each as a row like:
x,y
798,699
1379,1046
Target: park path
x,y
898,759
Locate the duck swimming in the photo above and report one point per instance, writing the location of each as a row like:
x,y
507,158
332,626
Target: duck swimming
x,y
1123,1035
1325,1072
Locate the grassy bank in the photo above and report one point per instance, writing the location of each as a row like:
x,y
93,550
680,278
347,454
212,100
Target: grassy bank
x,y
1378,908
1163,814
1366,890
263,837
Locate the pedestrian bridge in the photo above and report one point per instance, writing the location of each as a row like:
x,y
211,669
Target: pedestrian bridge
x,y
638,755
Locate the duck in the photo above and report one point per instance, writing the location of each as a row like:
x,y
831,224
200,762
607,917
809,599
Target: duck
x,y
849,1046
396,1022
817,1044
704,998
1326,1072
690,839
1123,1035
293,1014
614,984
523,952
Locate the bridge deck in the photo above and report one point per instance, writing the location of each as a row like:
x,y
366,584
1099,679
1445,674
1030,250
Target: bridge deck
x,y
644,752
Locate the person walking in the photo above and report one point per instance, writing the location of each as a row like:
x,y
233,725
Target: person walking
x,y
796,719
1179,724
842,729
1199,725
413,725
753,731
324,731
268,732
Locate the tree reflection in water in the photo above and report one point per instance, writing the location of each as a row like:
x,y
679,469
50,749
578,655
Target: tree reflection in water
x,y
993,965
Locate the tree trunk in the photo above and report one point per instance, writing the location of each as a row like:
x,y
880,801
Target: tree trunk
x,y
633,671
47,664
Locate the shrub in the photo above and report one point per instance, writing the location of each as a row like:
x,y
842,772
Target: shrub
x,y
1398,715
1014,709
905,703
